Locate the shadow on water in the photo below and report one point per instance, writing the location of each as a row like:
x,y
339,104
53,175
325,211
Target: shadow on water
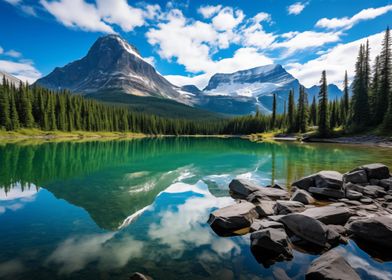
x,y
171,184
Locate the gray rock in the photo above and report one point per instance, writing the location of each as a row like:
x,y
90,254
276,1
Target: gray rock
x,y
227,220
374,181
366,200
376,171
310,230
303,197
331,266
265,207
271,242
264,224
374,191
329,179
388,198
386,183
353,187
139,276
283,207
304,183
327,192
329,214
241,188
268,193
377,230
275,218
338,228
354,195
356,177
353,202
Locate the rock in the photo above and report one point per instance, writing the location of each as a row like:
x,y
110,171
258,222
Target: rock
x,y
265,207
386,183
354,187
377,230
139,276
356,177
353,202
241,188
283,207
338,228
376,171
327,192
354,195
270,245
388,198
275,218
329,179
374,191
310,230
366,200
374,181
227,220
276,186
331,266
304,183
329,214
369,207
264,224
303,197
268,194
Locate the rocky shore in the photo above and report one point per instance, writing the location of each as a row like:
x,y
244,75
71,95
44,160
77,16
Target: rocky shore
x,y
314,215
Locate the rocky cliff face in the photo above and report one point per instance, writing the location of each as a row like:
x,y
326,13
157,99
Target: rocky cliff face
x,y
111,64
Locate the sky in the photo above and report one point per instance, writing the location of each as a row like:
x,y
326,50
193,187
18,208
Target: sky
x,y
188,41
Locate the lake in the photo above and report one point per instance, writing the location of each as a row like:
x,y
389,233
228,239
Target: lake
x,y
105,209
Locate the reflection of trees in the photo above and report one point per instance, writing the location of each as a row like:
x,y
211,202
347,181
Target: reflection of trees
x,y
96,175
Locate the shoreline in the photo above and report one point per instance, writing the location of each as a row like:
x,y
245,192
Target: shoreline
x,y
366,140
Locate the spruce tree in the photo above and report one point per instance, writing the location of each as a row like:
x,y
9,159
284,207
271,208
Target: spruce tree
x,y
346,98
4,107
291,112
273,118
302,111
323,112
313,112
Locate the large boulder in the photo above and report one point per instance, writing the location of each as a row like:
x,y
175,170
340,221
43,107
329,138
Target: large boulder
x,y
377,230
227,220
329,179
331,266
270,245
265,207
304,183
310,230
386,183
264,224
327,192
356,177
267,194
283,207
241,188
376,171
329,214
303,197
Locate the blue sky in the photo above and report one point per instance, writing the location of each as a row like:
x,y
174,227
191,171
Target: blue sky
x,y
188,41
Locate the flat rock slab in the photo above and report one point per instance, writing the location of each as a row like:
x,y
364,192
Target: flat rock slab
x,y
377,230
327,192
283,207
374,191
264,224
322,179
265,207
268,193
241,188
354,195
329,214
331,266
356,177
227,220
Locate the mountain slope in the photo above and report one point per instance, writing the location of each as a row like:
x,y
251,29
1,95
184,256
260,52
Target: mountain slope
x,y
111,64
9,78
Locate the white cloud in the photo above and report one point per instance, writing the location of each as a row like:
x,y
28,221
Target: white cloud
x,y
254,35
227,19
346,22
23,71
209,11
338,59
296,8
304,40
13,53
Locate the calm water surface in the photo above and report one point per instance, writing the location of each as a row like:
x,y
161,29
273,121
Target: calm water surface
x,y
102,210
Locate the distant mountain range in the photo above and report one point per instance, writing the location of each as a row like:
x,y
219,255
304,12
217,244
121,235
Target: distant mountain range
x,y
114,71
9,78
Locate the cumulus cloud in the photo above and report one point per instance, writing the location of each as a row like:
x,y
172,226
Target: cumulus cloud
x,y
209,11
25,8
227,19
101,15
24,71
335,61
348,22
296,8
254,34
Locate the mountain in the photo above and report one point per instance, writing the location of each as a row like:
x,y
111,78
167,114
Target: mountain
x,y
11,79
111,64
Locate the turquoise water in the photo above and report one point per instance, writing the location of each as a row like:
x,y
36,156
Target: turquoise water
x,y
105,209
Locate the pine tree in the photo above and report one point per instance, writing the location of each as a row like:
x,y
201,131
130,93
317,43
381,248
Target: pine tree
x,y
4,107
291,112
25,113
313,112
302,111
346,98
323,112
273,118
15,125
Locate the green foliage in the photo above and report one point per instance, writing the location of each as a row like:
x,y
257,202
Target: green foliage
x,y
323,112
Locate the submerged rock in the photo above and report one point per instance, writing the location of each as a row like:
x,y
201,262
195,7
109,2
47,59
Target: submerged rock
x,y
227,220
377,230
329,214
283,207
331,266
303,197
241,188
270,245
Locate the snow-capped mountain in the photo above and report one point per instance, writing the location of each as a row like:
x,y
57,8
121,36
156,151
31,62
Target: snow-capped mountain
x,y
111,64
9,78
